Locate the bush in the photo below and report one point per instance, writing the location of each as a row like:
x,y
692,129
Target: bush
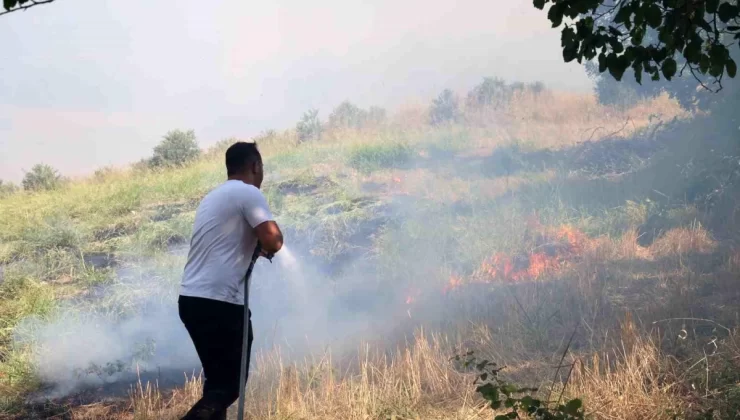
x,y
7,188
177,148
495,93
376,115
42,178
444,108
309,127
371,157
347,115
620,94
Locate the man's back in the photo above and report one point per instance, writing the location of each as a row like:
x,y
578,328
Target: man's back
x,y
223,241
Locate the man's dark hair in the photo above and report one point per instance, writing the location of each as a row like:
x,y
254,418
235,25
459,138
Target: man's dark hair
x,y
240,155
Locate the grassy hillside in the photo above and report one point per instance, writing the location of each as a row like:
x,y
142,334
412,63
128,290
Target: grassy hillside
x,y
502,231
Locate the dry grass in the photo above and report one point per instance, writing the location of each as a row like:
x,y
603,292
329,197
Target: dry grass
x,y
627,382
414,382
621,370
628,377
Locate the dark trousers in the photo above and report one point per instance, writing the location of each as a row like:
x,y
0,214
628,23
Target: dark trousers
x,y
216,329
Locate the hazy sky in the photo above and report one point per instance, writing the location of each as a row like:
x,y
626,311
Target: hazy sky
x,y
86,83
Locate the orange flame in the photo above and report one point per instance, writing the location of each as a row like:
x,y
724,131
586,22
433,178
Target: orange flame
x,y
412,295
561,244
453,284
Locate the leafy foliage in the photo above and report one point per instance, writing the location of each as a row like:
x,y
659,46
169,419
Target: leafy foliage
x,y
697,33
309,127
444,108
621,94
516,401
496,93
42,177
177,148
348,115
7,188
15,5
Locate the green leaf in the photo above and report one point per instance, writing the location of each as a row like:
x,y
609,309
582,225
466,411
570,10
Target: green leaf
x,y
501,417
716,69
573,406
638,34
731,67
617,65
508,389
692,52
638,72
540,4
727,12
704,25
602,62
654,15
555,14
704,63
669,68
623,15
488,392
9,4
712,6
483,376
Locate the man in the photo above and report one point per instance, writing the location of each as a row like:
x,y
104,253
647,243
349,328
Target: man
x,y
228,223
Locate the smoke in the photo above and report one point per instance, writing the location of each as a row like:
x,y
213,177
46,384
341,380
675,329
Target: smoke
x,y
130,330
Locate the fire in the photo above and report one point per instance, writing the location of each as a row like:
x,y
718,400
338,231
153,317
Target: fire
x,y
397,180
554,248
454,283
412,295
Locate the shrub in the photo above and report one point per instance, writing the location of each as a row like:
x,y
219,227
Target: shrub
x,y
42,177
376,115
495,93
370,157
7,188
102,174
620,94
444,108
309,127
347,115
177,148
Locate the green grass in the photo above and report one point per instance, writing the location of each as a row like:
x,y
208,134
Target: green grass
x,y
372,157
315,191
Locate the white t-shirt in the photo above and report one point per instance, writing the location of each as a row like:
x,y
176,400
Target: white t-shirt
x,y
223,242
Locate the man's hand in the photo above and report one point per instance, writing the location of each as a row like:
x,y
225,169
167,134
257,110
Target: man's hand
x,y
264,254
270,237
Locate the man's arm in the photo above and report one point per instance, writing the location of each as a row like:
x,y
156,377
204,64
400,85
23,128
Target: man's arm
x,y
270,237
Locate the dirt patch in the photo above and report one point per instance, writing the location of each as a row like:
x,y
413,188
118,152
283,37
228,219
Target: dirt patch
x,y
99,260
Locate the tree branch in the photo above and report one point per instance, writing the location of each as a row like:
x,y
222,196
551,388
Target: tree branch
x,y
26,7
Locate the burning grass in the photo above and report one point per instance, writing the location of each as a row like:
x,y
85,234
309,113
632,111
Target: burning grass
x,y
509,287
